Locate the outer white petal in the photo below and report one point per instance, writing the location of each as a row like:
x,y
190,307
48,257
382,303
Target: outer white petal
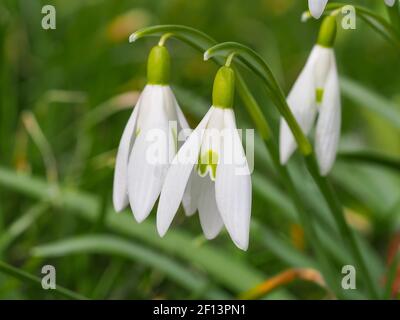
x,y
178,176
146,173
182,122
390,3
329,122
191,194
233,191
188,200
317,7
302,103
120,187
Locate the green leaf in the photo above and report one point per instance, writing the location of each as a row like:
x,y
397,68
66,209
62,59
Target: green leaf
x,y
26,277
366,98
21,224
223,267
112,245
370,157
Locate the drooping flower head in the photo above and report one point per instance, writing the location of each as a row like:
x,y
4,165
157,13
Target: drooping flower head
x,y
390,3
148,141
211,168
316,92
317,7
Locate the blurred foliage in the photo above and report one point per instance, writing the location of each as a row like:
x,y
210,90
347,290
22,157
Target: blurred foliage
x,y
65,96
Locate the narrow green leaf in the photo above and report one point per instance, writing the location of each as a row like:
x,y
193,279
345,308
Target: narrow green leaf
x,y
370,157
21,224
26,277
112,245
237,276
375,103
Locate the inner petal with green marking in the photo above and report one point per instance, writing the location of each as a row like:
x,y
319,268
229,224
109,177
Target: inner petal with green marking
x,y
208,162
319,95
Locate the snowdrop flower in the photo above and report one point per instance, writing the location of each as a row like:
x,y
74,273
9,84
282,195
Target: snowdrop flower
x,y
212,166
316,91
390,3
317,7
148,140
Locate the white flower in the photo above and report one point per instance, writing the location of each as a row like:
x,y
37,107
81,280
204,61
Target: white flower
x,y
317,7
390,3
316,91
139,174
211,166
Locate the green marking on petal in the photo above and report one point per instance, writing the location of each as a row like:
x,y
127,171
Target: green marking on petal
x,y
175,137
137,132
319,94
208,162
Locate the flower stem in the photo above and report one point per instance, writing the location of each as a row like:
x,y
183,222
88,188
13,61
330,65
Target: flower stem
x,y
337,211
164,38
230,59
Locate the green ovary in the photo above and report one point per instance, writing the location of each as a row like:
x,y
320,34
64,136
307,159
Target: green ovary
x,y
208,162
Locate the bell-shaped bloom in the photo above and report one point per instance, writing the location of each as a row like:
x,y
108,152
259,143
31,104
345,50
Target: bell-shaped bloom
x,y
148,143
315,92
211,167
390,3
317,7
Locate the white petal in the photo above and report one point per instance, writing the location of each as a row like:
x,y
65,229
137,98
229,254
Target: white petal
x,y
317,7
233,190
190,196
120,188
182,122
178,176
329,121
322,65
148,162
188,201
302,103
390,3
210,219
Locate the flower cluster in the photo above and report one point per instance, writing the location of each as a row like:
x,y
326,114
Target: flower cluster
x,y
208,174
207,171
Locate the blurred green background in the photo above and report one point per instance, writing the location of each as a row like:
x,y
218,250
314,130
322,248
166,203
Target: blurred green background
x,y
66,95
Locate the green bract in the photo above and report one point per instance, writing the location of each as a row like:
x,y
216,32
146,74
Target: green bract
x,y
224,88
158,66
